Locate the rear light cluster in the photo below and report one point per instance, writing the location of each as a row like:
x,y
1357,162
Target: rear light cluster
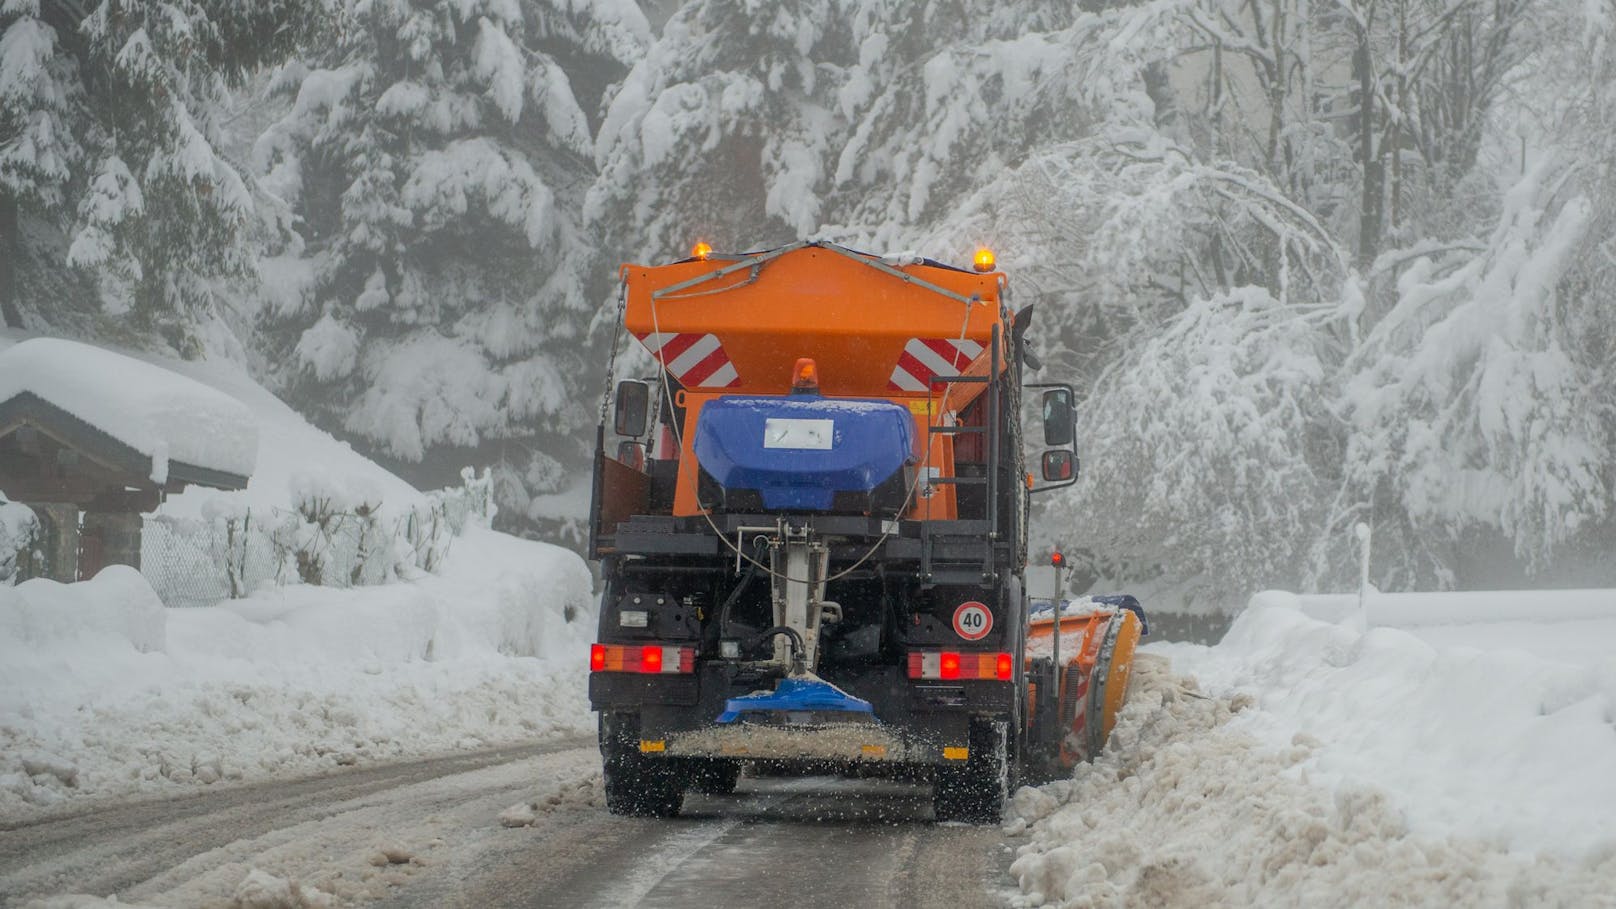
x,y
949,664
652,660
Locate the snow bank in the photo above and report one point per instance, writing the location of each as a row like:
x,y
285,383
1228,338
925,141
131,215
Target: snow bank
x,y
117,609
1187,808
99,695
258,890
1503,732
155,411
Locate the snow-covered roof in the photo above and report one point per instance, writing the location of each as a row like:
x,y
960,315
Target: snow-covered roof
x,y
163,416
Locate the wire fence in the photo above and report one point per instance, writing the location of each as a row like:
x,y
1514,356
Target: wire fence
x,y
203,561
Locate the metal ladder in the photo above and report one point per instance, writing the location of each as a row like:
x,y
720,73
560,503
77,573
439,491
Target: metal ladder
x,y
989,481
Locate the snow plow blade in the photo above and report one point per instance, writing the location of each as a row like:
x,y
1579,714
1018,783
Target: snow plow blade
x,y
1096,651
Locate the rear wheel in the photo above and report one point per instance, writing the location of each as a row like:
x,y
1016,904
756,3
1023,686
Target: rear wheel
x,y
636,785
975,791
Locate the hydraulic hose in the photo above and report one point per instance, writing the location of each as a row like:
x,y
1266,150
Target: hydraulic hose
x,y
799,650
735,595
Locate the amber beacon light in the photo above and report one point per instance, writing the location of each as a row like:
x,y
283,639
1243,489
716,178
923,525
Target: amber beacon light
x,y
805,377
703,249
984,260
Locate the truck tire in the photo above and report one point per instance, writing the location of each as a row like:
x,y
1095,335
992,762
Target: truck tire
x,y
714,777
636,786
975,791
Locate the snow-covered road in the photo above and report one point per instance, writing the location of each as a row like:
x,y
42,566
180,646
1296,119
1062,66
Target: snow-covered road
x,y
322,832
443,832
815,842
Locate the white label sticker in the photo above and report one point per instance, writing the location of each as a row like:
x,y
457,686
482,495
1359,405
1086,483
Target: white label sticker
x,y
807,434
972,621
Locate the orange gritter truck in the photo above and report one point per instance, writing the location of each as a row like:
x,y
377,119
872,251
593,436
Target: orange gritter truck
x,y
812,529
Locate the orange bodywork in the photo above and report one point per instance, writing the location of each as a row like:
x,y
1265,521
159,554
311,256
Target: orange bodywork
x,y
854,320
1081,638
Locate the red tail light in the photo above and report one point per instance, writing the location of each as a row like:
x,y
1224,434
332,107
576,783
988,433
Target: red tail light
x,y
950,664
652,659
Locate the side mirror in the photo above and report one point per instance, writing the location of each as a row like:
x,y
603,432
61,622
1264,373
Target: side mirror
x,y
631,453
633,404
1059,419
1060,465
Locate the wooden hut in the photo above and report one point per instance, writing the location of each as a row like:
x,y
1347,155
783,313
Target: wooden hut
x,y
90,484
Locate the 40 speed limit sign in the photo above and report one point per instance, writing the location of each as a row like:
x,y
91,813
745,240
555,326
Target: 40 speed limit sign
x,y
973,620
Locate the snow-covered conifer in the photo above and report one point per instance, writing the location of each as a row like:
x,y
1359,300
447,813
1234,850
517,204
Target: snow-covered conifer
x,y
851,118
110,160
434,155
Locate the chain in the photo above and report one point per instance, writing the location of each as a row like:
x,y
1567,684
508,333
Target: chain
x,y
611,360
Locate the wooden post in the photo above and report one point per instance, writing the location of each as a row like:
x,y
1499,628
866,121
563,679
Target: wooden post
x,y
59,536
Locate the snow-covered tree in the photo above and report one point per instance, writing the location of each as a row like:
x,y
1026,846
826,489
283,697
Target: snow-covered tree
x,y
109,157
1483,403
1204,316
434,156
723,130
1208,449
752,125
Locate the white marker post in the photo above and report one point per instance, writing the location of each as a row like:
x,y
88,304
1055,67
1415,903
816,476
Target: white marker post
x,y
1365,535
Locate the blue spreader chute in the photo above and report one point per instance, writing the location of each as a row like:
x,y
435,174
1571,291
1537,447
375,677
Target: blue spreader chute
x,y
797,695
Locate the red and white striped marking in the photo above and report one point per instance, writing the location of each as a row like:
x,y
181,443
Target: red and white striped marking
x,y
1076,742
696,360
924,359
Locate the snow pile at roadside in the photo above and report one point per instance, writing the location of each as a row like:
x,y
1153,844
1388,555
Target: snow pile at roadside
x,y
588,792
103,692
155,411
258,890
1505,731
1188,808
